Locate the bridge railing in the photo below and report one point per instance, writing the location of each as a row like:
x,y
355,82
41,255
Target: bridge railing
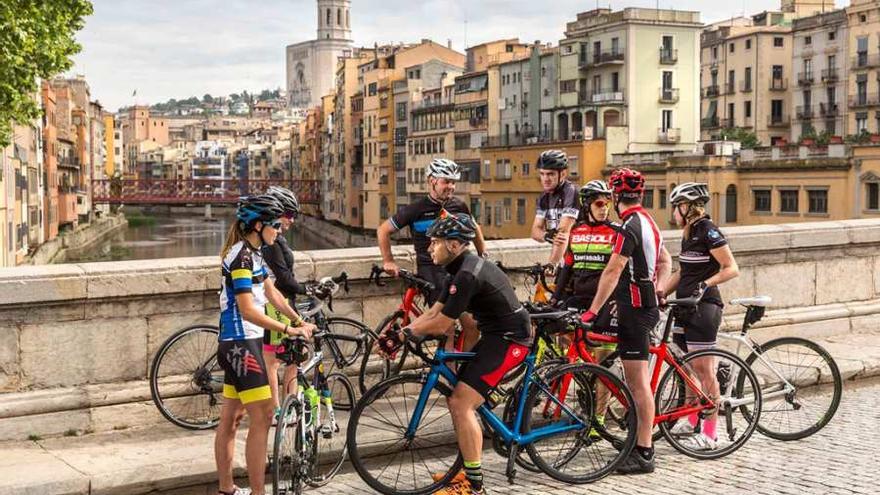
x,y
190,191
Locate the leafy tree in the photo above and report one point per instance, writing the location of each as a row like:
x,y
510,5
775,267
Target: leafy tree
x,y
746,138
36,42
207,98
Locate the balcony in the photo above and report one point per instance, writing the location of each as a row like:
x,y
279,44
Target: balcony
x,y
830,75
668,56
601,58
746,86
777,121
668,95
864,61
828,109
728,122
670,135
778,84
711,91
602,97
864,100
805,78
710,123
804,112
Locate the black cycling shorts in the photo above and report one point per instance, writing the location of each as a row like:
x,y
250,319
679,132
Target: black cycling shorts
x,y
700,326
495,356
245,376
435,274
634,330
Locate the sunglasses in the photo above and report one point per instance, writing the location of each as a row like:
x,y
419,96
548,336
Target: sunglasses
x,y
275,225
290,216
601,203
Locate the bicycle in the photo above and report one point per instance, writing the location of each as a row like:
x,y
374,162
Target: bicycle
x,y
678,393
539,291
422,436
299,456
186,382
795,375
377,368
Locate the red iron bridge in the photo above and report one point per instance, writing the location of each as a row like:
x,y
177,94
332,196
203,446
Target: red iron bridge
x,y
195,191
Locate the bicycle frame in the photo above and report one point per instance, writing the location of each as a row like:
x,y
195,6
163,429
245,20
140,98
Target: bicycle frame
x,y
510,435
743,341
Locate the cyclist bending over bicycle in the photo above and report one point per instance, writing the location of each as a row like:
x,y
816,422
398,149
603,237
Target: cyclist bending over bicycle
x,y
706,262
440,202
478,286
244,294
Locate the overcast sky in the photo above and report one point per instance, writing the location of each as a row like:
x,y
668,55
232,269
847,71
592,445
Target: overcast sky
x,y
180,48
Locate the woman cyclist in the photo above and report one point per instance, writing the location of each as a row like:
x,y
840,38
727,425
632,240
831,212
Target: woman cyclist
x,y
706,262
245,289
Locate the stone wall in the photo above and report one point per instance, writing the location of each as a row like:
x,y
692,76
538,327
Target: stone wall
x,y
76,340
85,235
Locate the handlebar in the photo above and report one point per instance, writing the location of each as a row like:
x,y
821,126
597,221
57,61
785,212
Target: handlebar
x,y
325,289
536,272
411,279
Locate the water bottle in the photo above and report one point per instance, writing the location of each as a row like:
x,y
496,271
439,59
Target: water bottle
x,y
498,396
311,396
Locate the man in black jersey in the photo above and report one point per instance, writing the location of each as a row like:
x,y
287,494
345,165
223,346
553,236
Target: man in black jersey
x,y
480,287
558,207
419,216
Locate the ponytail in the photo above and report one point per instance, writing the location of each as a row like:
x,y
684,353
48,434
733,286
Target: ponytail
x,y
696,210
233,236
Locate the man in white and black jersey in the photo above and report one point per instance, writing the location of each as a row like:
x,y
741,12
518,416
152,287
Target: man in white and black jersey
x,y
639,264
558,206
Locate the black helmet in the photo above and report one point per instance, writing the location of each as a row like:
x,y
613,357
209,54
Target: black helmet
x,y
286,198
552,160
459,226
592,189
263,208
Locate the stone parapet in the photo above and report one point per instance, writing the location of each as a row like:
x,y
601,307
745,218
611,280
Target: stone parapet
x,y
76,340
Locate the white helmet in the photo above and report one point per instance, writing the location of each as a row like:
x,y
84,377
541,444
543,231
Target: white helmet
x,y
689,191
443,169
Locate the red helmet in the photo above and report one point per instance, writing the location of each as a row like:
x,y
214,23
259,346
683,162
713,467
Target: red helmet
x,y
627,181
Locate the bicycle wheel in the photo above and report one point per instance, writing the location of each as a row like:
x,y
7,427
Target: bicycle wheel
x,y
375,368
286,463
328,437
615,417
380,451
578,456
186,383
733,427
800,385
344,353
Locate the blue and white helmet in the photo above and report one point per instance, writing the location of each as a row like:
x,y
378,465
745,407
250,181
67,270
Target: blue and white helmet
x,y
443,168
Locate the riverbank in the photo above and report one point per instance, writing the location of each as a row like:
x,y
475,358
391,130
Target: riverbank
x,y
56,250
335,235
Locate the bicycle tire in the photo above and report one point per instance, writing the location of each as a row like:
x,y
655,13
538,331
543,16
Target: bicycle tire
x,y
770,408
377,370
751,421
285,452
202,373
391,392
611,362
332,461
583,375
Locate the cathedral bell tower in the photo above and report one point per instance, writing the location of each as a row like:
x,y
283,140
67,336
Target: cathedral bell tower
x,y
334,22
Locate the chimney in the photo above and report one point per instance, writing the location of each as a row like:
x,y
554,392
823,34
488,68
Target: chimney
x,y
449,43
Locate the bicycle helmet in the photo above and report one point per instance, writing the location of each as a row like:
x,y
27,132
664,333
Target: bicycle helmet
x,y
552,160
689,192
460,227
592,189
263,208
443,168
627,182
286,198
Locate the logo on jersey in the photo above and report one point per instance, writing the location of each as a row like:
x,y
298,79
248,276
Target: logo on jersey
x,y
516,352
592,238
453,289
714,234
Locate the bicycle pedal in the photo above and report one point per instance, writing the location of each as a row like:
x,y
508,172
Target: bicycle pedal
x,y
326,431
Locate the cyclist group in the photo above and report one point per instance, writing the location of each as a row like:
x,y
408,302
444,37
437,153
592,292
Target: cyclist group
x,y
617,274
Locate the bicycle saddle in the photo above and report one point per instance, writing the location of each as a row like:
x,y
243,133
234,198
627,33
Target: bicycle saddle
x,y
760,301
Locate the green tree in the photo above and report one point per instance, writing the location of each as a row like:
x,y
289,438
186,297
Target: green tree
x,y
748,139
208,98
36,42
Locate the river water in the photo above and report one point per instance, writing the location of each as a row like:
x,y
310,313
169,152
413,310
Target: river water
x,y
173,236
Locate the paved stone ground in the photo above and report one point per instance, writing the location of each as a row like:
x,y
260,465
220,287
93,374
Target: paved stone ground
x,y
840,459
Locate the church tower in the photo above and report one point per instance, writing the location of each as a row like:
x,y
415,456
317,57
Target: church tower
x,y
334,21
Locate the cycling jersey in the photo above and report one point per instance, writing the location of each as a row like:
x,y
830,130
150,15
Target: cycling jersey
x,y
639,240
418,216
697,262
560,202
482,289
589,249
279,260
243,271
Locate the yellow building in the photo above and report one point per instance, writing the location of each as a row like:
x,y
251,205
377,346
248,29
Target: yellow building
x,y
864,64
768,185
510,183
109,145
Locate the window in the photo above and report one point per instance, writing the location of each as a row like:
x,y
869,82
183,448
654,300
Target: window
x,y
662,192
568,86
730,204
863,18
648,198
776,110
748,44
873,195
861,122
502,169
747,84
762,200
666,123
778,41
788,199
732,47
818,200
747,109
525,169
508,213
401,112
808,40
521,211
487,169
832,35
371,89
